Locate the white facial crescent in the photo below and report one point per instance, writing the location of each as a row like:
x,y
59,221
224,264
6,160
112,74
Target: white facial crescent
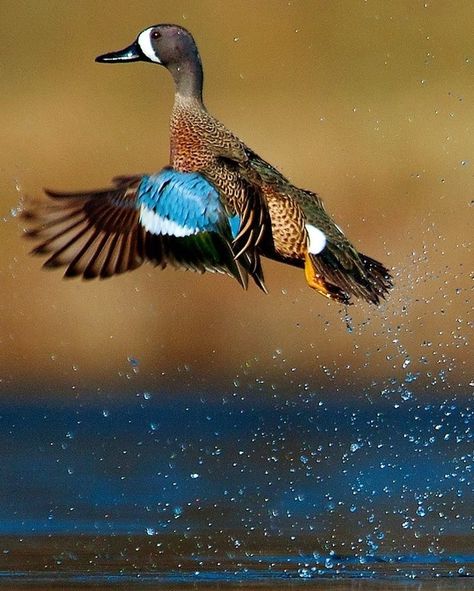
x,y
144,41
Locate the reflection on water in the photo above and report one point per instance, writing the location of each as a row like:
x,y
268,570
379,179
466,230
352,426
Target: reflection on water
x,y
205,491
134,562
238,572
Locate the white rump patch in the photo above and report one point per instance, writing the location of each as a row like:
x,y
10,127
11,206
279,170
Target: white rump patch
x,y
316,239
144,41
156,224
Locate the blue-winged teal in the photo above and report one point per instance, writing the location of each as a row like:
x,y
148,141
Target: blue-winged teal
x,y
218,206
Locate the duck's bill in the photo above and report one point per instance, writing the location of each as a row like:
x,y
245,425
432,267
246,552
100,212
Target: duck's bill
x,y
132,53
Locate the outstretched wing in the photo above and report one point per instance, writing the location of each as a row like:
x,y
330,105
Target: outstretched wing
x,y
168,218
93,234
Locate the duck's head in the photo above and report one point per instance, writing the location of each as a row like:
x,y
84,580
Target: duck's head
x,y
171,46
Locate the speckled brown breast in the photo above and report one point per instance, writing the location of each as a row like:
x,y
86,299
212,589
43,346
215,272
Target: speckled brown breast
x,y
197,140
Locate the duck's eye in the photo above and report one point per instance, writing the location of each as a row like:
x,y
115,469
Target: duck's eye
x,y
155,35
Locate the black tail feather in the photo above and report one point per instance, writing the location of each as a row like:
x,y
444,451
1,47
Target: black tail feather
x,y
366,278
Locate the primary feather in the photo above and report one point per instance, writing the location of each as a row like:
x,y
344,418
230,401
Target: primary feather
x,y
168,218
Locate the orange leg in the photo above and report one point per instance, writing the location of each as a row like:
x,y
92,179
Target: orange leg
x,y
314,280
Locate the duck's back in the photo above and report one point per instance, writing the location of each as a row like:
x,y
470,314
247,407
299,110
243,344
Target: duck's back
x,y
287,214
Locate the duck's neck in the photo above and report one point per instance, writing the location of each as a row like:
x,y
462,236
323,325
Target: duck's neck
x,y
188,78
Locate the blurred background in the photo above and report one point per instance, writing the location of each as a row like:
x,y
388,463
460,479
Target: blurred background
x,y
369,103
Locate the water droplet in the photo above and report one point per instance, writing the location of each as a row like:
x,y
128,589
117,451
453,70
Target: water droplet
x,y
177,511
134,363
304,573
348,321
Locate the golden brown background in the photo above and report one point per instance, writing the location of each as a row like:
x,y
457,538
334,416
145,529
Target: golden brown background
x,y
369,103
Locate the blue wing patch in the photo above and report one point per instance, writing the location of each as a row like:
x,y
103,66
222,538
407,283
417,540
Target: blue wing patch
x,y
234,222
179,204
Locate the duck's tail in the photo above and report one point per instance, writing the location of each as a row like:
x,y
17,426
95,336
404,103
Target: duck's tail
x,y
356,275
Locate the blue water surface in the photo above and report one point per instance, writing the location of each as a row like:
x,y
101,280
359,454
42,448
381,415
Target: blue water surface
x,y
206,487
